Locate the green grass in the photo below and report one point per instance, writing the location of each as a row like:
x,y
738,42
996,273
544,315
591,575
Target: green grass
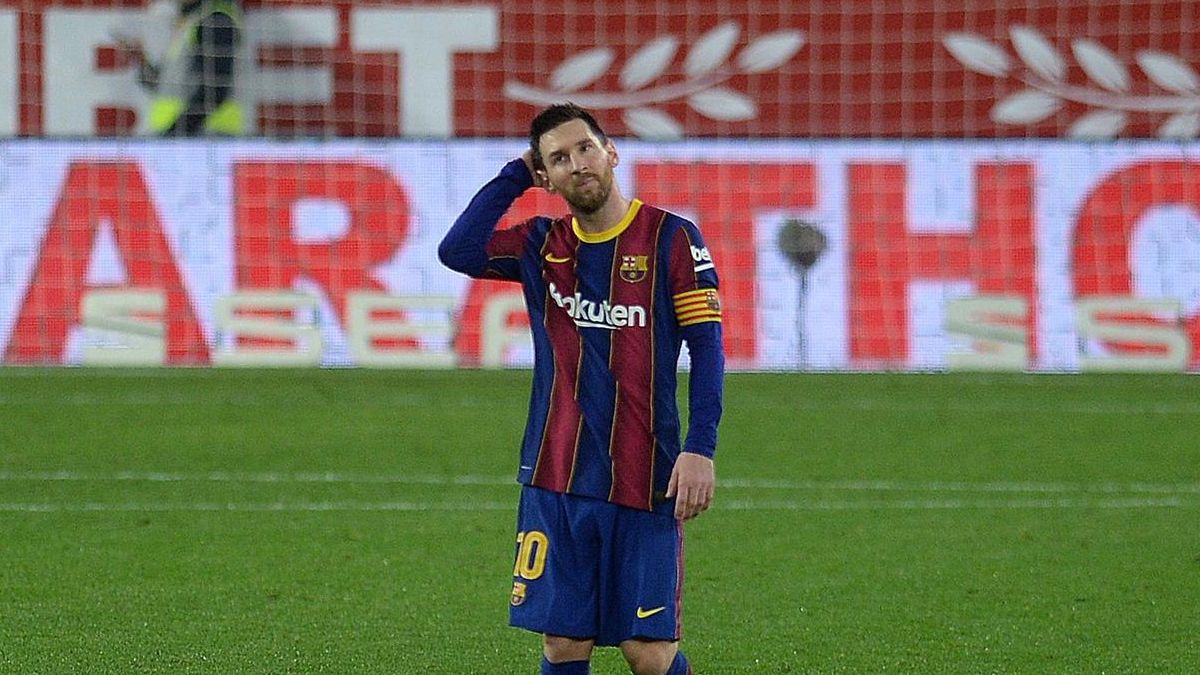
x,y
336,521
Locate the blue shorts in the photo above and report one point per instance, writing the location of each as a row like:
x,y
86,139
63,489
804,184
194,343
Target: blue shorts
x,y
588,569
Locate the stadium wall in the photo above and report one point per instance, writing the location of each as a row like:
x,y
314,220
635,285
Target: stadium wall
x,y
670,68
834,255
959,236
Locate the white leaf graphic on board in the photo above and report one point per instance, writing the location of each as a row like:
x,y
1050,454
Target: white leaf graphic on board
x,y
648,78
978,54
1099,124
1181,126
1101,66
1038,54
724,104
1025,107
770,51
1108,93
711,50
652,124
1169,72
581,70
649,62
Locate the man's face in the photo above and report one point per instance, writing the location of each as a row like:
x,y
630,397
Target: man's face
x,y
579,166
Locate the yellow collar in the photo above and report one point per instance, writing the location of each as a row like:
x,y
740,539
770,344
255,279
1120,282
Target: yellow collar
x,y
610,233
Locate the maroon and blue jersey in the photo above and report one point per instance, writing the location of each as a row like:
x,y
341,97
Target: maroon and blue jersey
x,y
609,313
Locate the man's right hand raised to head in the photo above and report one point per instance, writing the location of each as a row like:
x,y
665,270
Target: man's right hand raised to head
x,y
539,177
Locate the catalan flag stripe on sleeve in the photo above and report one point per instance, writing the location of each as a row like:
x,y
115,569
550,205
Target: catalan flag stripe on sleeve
x,y
697,306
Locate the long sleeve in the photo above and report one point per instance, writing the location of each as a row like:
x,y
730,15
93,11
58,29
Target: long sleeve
x,y
464,248
705,387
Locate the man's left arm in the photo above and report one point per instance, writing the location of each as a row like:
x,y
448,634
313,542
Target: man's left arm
x,y
694,283
693,479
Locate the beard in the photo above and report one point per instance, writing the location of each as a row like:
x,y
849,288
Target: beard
x,y
589,200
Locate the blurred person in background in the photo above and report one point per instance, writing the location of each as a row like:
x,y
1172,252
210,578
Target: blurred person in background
x,y
192,82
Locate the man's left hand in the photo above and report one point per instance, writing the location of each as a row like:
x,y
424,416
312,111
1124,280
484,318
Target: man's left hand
x,y
692,483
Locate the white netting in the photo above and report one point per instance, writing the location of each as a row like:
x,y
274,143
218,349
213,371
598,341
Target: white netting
x,y
859,169
769,68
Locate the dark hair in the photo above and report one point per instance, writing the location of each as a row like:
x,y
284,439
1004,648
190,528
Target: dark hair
x,y
552,117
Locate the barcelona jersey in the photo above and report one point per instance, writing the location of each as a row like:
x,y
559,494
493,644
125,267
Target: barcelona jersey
x,y
609,313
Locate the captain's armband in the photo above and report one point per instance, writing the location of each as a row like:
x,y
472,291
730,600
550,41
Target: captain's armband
x,y
697,306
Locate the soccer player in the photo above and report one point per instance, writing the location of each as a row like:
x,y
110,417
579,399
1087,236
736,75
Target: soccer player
x,y
612,290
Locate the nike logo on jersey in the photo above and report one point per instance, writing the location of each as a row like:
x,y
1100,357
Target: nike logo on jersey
x,y
550,258
647,613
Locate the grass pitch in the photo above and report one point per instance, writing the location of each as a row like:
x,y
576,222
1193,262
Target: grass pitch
x,y
334,521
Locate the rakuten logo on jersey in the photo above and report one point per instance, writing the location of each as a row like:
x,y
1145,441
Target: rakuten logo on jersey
x,y
589,314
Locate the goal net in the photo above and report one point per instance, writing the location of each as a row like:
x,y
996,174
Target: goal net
x,y
915,185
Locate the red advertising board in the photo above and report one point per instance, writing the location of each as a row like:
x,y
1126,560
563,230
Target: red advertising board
x,y
773,68
1016,255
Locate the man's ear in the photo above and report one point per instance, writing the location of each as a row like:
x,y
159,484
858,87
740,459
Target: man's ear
x,y
544,179
613,159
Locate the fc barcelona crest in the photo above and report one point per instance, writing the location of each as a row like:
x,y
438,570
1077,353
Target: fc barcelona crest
x,y
518,594
634,267
710,299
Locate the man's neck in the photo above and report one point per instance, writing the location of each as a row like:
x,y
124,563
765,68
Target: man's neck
x,y
604,218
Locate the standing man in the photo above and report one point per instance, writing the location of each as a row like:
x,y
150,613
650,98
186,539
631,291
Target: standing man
x,y
193,83
612,290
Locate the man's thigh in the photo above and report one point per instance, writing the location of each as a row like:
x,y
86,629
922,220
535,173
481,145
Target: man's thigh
x,y
555,590
642,580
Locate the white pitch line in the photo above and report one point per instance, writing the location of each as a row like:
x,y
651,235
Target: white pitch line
x,y
739,505
892,406
247,477
960,486
402,400
482,480
952,504
150,507
239,399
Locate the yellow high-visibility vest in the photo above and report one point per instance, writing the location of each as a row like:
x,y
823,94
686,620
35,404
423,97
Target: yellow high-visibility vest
x,y
176,83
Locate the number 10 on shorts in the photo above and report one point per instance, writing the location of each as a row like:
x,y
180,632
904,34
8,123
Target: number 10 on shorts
x,y
531,555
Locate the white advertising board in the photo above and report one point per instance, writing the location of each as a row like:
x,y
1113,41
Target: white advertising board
x,y
1044,256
